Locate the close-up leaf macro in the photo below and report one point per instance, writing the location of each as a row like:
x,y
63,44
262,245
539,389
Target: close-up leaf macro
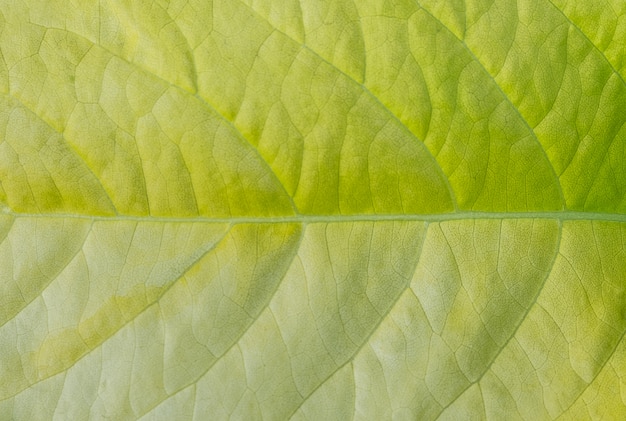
x,y
312,210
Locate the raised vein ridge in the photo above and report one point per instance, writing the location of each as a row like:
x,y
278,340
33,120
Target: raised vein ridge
x,y
305,219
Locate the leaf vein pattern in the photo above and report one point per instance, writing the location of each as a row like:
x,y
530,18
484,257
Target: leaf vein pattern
x,y
210,108
517,326
588,39
136,315
375,328
69,145
50,279
504,96
235,343
371,95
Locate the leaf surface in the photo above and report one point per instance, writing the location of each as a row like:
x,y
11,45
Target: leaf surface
x,y
261,209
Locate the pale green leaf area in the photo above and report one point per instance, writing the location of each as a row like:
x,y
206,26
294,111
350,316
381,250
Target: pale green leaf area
x,y
312,210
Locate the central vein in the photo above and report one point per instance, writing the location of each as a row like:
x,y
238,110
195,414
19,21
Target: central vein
x,y
304,219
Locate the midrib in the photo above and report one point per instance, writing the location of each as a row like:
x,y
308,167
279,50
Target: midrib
x,y
452,216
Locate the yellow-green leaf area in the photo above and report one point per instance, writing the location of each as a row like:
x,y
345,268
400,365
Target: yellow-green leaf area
x,y
320,210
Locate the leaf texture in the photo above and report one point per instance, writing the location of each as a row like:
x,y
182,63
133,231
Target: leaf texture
x,y
331,209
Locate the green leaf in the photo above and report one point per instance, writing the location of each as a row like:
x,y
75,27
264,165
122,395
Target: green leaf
x,y
322,210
